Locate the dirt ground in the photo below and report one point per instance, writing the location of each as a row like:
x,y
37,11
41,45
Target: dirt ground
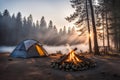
x,y
108,68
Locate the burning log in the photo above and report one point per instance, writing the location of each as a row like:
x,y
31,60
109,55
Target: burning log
x,y
73,62
64,57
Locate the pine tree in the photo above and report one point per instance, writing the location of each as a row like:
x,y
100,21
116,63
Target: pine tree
x,y
6,25
18,28
37,24
43,24
80,13
96,49
55,29
68,30
25,28
64,30
50,25
88,24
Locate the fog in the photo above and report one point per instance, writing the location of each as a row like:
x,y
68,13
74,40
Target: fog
x,y
14,29
50,49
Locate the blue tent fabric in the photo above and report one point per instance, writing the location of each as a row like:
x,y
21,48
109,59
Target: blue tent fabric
x,y
19,54
20,46
27,49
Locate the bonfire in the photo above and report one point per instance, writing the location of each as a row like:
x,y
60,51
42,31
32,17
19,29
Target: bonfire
x,y
73,62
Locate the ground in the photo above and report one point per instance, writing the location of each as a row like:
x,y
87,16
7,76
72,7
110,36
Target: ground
x,y
108,68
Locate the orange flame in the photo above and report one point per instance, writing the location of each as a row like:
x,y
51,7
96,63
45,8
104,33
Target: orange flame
x,y
73,58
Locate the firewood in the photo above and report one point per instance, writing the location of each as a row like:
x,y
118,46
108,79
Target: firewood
x,y
60,67
66,56
66,65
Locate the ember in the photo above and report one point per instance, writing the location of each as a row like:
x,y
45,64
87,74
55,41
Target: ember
x,y
73,62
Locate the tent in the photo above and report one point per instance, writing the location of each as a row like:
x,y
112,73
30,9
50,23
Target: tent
x,y
29,48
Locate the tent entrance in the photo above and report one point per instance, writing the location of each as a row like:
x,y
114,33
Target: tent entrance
x,y
39,49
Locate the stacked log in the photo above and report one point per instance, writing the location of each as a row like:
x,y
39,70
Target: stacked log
x,y
66,65
69,66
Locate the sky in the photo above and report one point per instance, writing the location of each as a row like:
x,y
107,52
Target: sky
x,y
55,10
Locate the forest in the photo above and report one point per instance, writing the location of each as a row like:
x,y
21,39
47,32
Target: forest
x,y
96,21
14,29
88,49
100,20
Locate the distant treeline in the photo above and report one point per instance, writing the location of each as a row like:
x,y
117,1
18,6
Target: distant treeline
x,y
14,29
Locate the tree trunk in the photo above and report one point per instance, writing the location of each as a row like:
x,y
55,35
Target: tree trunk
x,y
96,49
90,46
114,25
115,33
103,33
108,41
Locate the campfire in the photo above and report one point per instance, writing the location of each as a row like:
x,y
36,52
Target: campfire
x,y
73,62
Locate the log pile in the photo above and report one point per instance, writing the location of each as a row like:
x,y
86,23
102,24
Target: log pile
x,y
66,64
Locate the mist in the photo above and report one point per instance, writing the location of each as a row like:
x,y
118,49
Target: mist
x,y
14,29
51,49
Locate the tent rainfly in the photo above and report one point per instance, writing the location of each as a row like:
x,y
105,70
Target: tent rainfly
x,y
29,48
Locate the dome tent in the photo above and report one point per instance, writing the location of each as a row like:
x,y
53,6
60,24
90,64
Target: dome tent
x,y
29,48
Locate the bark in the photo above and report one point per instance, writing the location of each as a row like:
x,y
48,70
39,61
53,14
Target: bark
x,y
96,49
108,42
103,33
88,24
116,34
